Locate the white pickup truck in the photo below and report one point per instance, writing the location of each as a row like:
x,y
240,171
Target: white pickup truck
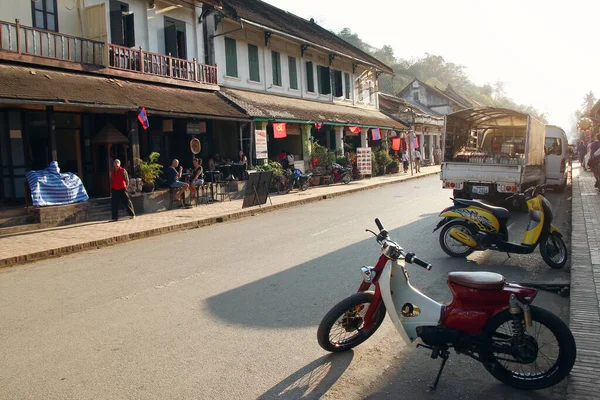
x,y
491,152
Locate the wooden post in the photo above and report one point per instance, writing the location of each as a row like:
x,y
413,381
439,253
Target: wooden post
x,y
141,68
134,136
18,35
51,131
195,69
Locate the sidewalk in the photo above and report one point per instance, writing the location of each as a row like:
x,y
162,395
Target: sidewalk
x,y
585,286
51,242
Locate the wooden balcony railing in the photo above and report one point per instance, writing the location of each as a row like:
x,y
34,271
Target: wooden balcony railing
x,y
144,62
21,39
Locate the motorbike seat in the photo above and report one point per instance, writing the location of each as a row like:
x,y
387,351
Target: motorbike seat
x,y
499,212
477,280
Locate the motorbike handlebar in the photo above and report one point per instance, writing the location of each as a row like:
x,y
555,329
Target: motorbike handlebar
x,y
411,258
379,225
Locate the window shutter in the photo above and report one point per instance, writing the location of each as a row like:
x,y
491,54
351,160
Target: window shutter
x,y
253,64
116,27
347,84
231,57
129,31
276,62
293,72
310,77
171,40
337,84
324,80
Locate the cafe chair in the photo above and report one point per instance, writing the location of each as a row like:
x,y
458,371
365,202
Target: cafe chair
x,y
204,194
223,191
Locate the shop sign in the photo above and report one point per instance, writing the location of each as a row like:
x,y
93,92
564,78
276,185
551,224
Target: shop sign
x,y
363,160
260,143
193,128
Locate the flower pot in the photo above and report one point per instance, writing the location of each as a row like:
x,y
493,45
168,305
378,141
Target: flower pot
x,y
394,170
148,187
325,180
315,180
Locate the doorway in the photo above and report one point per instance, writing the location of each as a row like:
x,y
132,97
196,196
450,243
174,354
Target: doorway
x,y
68,154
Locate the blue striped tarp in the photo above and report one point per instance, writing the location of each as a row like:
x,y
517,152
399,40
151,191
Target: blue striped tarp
x,y
51,188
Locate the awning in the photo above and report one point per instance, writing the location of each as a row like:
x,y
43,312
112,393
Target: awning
x,y
24,85
489,117
266,107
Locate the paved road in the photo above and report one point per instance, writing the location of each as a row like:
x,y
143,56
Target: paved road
x,y
230,311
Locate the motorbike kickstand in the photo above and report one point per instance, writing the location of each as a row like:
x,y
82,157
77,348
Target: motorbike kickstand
x,y
508,254
445,354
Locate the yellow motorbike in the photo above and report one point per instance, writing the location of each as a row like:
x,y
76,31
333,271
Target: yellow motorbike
x,y
472,225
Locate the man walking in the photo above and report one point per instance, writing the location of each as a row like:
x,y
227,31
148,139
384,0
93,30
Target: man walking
x,y
417,157
581,150
119,195
595,146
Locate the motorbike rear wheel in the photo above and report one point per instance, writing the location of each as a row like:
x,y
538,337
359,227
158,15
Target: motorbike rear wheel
x,y
451,246
346,179
346,317
554,250
549,341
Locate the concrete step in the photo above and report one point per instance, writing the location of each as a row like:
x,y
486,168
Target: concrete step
x,y
15,221
9,212
11,230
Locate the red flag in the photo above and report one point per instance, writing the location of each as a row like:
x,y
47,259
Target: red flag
x,y
319,125
354,129
279,130
375,134
396,143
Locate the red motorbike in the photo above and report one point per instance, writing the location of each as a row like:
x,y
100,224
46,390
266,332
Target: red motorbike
x,y
340,174
489,320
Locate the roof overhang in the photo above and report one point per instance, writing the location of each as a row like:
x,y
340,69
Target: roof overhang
x,y
491,117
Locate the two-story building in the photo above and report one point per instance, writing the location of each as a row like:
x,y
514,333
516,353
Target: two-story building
x,y
429,104
75,74
279,67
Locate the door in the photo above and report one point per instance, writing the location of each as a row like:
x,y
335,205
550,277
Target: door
x,y
68,151
555,159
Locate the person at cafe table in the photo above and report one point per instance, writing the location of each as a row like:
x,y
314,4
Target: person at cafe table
x,y
196,176
173,176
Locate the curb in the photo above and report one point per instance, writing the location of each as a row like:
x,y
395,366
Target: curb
x,y
96,244
584,313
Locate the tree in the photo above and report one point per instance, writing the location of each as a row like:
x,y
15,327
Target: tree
x,y
589,101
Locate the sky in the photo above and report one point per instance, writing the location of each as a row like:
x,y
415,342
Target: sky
x,y
546,52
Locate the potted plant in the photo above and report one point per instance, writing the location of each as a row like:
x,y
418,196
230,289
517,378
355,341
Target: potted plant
x,y
383,160
148,171
394,167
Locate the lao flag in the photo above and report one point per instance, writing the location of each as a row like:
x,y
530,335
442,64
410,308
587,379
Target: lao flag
x,y
375,134
354,129
279,130
396,143
143,118
319,125
415,143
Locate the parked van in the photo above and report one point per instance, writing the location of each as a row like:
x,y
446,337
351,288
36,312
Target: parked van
x,y
557,156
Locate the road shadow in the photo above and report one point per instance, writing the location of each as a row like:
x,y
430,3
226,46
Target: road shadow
x,y
276,302
313,380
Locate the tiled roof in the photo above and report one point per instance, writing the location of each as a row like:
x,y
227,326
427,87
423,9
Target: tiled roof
x,y
469,103
270,106
434,89
387,100
69,88
272,17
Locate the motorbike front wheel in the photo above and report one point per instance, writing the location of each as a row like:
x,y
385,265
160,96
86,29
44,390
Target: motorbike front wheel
x,y
554,250
451,246
304,185
540,357
346,179
342,328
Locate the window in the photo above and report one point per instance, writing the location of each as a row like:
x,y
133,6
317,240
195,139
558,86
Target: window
x,y
175,42
347,84
337,84
276,61
310,77
293,72
122,31
323,80
371,93
360,89
44,15
416,96
253,64
553,146
230,58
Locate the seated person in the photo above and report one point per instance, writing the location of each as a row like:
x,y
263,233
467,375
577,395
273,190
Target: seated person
x,y
211,164
218,160
242,159
197,176
173,175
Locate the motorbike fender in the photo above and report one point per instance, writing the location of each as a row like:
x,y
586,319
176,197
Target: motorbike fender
x,y
484,220
442,223
386,295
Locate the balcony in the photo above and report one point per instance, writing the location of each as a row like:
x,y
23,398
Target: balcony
x,y
39,46
23,40
144,62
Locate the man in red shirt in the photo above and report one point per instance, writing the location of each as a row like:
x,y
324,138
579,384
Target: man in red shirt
x,y
119,195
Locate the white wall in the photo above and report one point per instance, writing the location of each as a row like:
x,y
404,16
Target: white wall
x,y
68,20
286,48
